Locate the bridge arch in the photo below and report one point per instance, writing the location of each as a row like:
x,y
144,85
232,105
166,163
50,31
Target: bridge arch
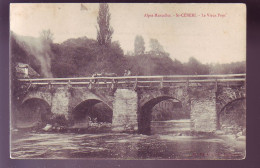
x,y
145,113
31,112
231,108
232,116
94,110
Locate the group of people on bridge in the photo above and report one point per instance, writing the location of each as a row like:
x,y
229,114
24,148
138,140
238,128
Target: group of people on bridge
x,y
105,74
127,72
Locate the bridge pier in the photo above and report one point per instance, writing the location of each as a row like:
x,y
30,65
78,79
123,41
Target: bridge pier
x,y
203,110
60,102
125,110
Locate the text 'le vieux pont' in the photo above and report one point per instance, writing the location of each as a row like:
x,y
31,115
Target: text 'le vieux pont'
x,y
210,15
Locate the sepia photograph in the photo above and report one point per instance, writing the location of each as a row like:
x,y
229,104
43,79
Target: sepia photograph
x,y
155,81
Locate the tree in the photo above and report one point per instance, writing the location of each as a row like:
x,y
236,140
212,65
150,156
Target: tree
x,y
139,45
195,67
104,30
156,46
46,36
157,49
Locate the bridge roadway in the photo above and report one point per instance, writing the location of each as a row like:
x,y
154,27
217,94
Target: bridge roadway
x,y
131,98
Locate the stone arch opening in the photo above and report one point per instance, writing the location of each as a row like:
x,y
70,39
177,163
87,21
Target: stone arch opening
x,y
147,113
91,111
32,112
232,116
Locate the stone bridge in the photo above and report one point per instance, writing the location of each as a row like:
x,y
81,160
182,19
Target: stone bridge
x,y
131,99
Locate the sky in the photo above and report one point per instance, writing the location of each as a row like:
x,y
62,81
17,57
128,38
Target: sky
x,y
213,33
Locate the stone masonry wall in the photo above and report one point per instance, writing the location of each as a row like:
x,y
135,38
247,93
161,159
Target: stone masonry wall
x,y
60,102
203,111
125,110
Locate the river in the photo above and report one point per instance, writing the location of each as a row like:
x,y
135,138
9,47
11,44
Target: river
x,y
169,140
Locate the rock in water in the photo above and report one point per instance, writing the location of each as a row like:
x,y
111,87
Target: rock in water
x,y
47,127
219,132
239,134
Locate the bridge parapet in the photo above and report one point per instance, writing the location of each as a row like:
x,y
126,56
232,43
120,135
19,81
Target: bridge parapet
x,y
140,81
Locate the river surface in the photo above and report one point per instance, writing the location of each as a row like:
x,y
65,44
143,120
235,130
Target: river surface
x,y
168,141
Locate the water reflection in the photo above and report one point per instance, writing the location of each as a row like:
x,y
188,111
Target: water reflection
x,y
165,143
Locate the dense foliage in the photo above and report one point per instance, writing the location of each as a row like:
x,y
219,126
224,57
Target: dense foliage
x,y
84,56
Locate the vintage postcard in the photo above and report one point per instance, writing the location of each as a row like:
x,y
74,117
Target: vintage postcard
x,y
128,81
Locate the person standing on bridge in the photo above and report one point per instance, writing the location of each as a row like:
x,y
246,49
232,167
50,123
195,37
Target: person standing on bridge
x,y
95,75
129,72
125,73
